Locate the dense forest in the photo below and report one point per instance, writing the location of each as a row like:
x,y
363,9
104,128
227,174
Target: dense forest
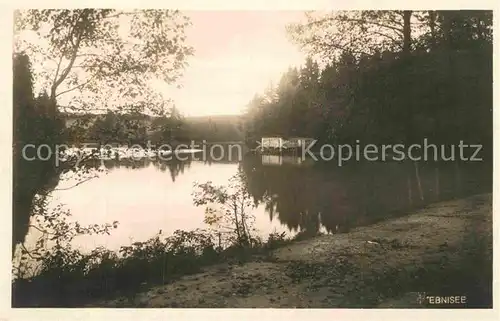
x,y
139,128
96,67
384,77
378,77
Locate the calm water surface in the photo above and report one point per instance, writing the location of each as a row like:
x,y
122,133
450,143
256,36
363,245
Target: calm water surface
x,y
292,195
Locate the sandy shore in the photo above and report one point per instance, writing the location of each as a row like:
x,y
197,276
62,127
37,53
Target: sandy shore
x,y
444,249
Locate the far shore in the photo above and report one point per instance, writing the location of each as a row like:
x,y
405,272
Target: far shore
x,y
442,250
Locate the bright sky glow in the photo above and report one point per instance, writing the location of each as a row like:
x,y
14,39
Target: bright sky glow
x,y
237,54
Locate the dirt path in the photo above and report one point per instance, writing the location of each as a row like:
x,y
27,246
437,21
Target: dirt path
x,y
444,249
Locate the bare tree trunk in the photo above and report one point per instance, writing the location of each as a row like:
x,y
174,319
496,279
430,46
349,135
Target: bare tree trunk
x,y
410,196
236,222
458,181
245,230
447,26
407,31
437,187
432,26
363,197
419,184
407,14
243,220
480,28
163,268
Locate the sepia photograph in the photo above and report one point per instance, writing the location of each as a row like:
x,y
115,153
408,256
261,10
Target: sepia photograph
x,y
171,158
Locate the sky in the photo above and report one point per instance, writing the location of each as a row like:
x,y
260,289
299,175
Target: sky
x,y
237,54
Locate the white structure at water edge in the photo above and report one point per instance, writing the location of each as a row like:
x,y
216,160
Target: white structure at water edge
x,y
279,143
271,142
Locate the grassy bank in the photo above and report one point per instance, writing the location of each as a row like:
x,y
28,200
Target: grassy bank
x,y
69,278
443,249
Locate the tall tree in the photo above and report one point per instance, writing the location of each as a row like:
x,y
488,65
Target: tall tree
x,y
358,32
89,60
36,122
389,76
105,57
407,31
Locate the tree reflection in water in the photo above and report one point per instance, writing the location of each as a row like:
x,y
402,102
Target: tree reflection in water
x,y
310,196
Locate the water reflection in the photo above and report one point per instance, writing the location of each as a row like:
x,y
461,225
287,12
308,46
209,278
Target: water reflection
x,y
278,160
210,154
291,194
311,196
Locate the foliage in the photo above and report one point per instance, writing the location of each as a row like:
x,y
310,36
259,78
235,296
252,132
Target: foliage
x,y
214,128
36,121
106,57
138,128
52,250
86,59
368,33
112,127
363,32
394,76
71,278
76,278
227,209
384,77
276,239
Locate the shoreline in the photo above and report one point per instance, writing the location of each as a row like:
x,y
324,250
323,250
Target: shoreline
x,y
444,249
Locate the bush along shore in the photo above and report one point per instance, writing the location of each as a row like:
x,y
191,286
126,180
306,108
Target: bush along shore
x,y
442,250
72,279
58,275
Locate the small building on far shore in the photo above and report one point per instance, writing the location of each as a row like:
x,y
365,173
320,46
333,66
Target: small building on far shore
x,y
297,142
270,143
278,144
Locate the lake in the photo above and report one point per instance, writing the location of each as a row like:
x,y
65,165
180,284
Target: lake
x,y
292,195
